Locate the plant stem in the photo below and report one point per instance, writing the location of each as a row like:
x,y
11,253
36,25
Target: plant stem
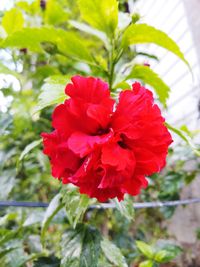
x,y
111,65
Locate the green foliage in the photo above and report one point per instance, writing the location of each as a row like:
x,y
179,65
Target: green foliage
x,y
13,20
102,15
36,216
7,182
148,263
75,204
8,217
149,77
167,253
143,33
125,207
113,253
87,29
29,147
47,262
52,210
90,247
184,136
80,247
145,249
67,43
54,13
5,251
157,254
52,92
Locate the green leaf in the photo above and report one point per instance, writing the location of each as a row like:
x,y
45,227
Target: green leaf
x,y
54,206
125,207
5,251
34,217
102,15
145,249
68,43
162,256
75,203
49,261
113,253
184,137
7,182
71,247
168,253
10,235
52,92
90,247
122,85
13,20
147,263
19,258
31,8
29,147
87,29
80,247
148,76
54,13
143,33
8,217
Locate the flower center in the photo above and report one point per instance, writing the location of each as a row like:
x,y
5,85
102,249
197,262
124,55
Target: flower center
x,y
102,131
122,144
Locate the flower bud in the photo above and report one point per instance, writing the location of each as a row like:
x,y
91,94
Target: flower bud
x,y
43,4
135,17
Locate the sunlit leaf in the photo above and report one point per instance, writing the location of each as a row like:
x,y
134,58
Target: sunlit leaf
x,y
54,206
71,247
113,253
102,15
29,147
145,249
167,253
75,204
125,207
162,256
54,13
147,263
148,76
68,43
184,137
30,7
122,85
13,20
8,217
81,247
5,251
10,235
53,92
143,33
7,182
90,247
87,29
34,217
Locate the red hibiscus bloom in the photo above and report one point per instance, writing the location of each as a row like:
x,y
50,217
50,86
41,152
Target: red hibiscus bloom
x,y
106,150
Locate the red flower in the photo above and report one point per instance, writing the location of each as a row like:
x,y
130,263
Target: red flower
x,y
105,150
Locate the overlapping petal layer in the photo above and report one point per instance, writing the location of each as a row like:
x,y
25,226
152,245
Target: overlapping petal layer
x,y
106,152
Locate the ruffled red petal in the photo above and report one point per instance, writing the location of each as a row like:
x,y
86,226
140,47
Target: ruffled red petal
x,y
106,153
